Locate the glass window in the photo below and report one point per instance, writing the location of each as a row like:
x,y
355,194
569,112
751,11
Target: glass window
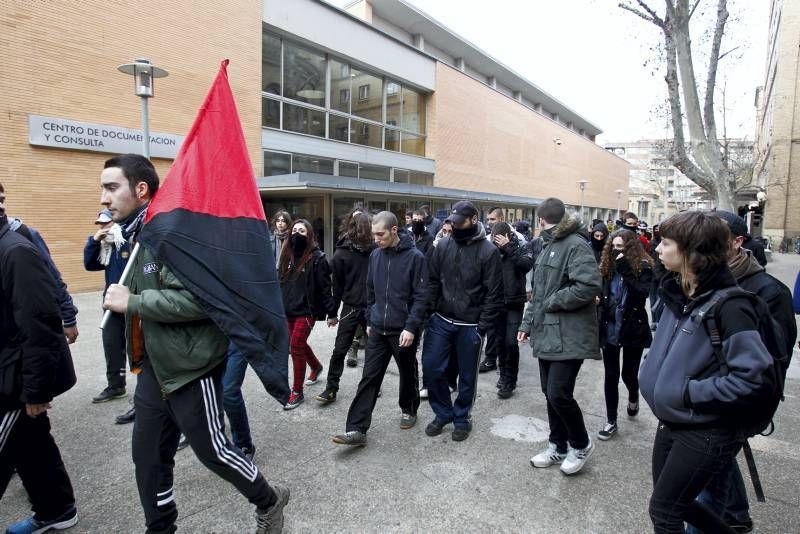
x,y
270,113
270,63
303,163
365,134
303,74
401,176
376,206
375,172
303,120
348,168
276,163
413,111
393,104
421,178
392,140
340,86
412,144
369,103
338,127
341,207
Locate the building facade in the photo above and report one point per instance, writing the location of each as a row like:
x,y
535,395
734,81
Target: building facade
x,y
341,108
777,165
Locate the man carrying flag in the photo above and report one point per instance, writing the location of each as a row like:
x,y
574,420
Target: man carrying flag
x,y
204,274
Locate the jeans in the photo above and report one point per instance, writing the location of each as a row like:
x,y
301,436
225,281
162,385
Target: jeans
x,y
302,355
563,413
232,399
684,461
726,496
442,338
352,319
631,359
380,351
114,350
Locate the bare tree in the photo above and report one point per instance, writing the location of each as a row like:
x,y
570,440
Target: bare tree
x,y
700,159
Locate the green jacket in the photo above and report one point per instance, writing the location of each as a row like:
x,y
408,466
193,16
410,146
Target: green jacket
x,y
562,317
181,342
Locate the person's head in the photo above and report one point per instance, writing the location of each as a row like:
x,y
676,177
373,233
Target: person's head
x,y
522,227
426,209
693,243
656,231
359,232
409,217
418,222
2,200
495,215
447,228
384,229
282,221
464,219
128,182
630,221
302,242
626,243
599,232
344,224
550,212
737,228
502,228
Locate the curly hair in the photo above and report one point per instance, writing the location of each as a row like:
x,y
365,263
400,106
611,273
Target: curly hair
x,y
288,265
632,250
359,231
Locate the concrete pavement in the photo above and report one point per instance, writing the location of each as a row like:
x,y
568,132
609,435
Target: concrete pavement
x,y
402,481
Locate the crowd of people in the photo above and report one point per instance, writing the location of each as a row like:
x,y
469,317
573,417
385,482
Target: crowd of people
x,y
458,295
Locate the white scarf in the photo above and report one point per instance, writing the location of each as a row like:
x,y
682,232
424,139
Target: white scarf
x,y
113,239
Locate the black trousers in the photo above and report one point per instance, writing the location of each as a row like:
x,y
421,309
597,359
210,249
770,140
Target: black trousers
x,y
195,410
684,462
27,446
114,349
380,350
631,359
351,319
563,413
506,347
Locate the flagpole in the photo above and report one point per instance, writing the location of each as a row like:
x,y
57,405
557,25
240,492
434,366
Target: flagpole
x,y
123,280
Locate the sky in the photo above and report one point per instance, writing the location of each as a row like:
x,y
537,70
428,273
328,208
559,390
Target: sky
x,y
597,59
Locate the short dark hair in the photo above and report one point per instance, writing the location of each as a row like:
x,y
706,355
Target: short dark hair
x,y
552,210
421,213
136,169
498,210
2,189
630,215
386,219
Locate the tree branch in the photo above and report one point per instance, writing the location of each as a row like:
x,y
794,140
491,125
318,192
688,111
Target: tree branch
x,y
711,80
728,52
640,14
650,11
697,3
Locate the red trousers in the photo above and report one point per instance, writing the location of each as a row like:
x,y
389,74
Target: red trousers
x,y
299,330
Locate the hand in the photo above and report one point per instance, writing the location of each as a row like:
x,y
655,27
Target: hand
x,y
406,339
101,234
34,410
500,240
333,321
71,333
117,298
522,337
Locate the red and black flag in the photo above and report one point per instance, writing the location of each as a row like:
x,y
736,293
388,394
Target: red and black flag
x,y
207,223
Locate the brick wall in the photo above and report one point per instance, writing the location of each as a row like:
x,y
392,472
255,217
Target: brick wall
x,y
477,134
60,59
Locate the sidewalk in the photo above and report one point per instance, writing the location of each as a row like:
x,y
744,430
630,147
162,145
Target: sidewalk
x,y
402,481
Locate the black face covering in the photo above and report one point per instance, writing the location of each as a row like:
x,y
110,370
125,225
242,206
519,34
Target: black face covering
x,y
634,229
463,234
598,244
418,227
298,242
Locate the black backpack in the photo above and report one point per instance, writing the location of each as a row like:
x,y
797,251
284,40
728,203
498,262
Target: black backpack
x,y
753,414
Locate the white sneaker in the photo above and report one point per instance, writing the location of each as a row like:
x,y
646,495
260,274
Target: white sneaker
x,y
576,459
549,456
423,393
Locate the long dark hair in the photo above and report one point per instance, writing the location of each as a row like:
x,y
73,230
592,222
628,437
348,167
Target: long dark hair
x,y
344,224
632,250
288,263
281,214
359,231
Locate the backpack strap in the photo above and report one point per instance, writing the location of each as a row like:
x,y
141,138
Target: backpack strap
x,y
751,466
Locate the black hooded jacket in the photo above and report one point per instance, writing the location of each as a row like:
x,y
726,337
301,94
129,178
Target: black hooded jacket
x,y
517,260
597,246
349,266
309,293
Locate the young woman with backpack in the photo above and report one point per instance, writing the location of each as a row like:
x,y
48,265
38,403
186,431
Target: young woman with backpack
x,y
307,297
624,327
695,398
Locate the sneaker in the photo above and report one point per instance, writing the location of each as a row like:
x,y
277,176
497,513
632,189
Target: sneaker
x,y
326,397
407,421
352,357
435,427
182,443
549,456
576,459
423,393
126,418
110,394
295,400
460,433
32,525
270,521
353,438
608,432
313,376
633,409
486,366
249,452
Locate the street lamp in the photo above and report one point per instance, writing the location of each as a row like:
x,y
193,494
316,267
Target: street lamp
x,y
582,185
143,73
619,200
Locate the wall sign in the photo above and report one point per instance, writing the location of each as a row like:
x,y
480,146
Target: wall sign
x,y
74,135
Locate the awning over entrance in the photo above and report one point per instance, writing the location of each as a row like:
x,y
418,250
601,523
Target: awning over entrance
x,y
345,184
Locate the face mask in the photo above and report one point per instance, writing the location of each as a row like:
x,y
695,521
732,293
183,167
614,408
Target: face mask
x,y
418,227
460,234
299,242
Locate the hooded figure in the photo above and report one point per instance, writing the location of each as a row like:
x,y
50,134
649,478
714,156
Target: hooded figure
x,y
598,244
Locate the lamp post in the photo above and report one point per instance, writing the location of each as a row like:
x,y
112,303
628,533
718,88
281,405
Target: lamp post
x,y
619,201
143,73
582,185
